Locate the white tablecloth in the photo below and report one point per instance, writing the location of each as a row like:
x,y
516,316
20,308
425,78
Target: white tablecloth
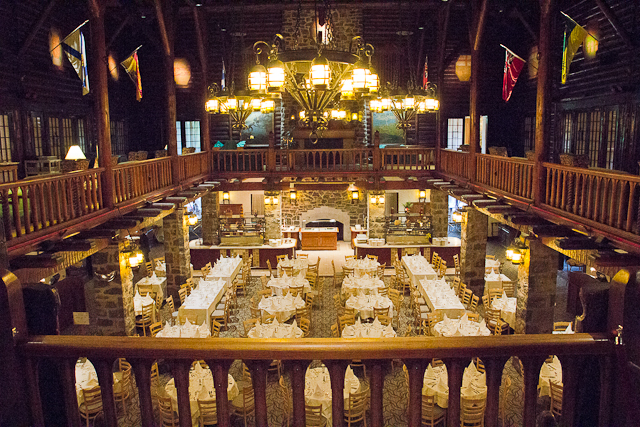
x,y
203,300
441,298
494,281
200,386
300,266
474,384
368,330
158,284
353,285
363,266
226,269
139,301
276,330
460,328
492,263
187,330
549,372
507,307
364,304
283,307
317,389
280,284
161,268
87,378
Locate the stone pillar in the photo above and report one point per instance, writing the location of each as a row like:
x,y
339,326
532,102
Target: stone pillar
x,y
537,276
439,213
376,217
210,218
473,250
176,251
110,304
272,218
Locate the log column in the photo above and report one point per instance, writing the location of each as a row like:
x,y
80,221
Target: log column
x,y
210,218
439,213
100,88
176,251
537,276
473,250
474,111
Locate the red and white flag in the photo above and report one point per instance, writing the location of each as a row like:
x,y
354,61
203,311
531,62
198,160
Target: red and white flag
x,y
425,73
513,64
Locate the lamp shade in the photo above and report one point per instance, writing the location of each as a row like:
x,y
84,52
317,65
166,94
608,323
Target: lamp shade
x,y
75,153
463,68
320,73
212,106
258,78
276,75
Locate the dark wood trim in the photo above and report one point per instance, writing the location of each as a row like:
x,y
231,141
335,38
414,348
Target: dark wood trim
x,y
613,20
34,30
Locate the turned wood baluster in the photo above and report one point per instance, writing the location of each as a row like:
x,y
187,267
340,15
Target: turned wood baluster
x,y
68,370
298,372
570,375
181,380
220,372
142,371
79,186
15,201
5,214
454,369
630,206
35,402
259,377
376,386
50,197
26,208
416,368
104,369
493,368
623,199
42,206
532,365
613,194
598,214
336,374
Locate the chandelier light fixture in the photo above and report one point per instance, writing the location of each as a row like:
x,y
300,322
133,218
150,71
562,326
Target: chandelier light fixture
x,y
239,106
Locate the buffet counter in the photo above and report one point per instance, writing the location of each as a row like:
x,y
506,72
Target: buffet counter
x,y
202,254
388,252
321,238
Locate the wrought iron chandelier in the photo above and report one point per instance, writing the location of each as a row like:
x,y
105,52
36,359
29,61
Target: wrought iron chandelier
x,y
239,106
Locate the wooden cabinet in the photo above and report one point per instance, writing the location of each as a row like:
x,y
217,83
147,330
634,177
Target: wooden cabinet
x,y
319,240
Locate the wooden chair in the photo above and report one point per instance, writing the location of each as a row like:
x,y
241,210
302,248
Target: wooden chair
x,y
264,281
313,416
308,299
248,325
221,315
287,270
509,288
303,313
188,288
337,277
349,257
145,319
255,312
485,301
456,264
91,405
473,305
500,328
461,290
355,410
244,404
281,257
335,331
384,320
432,414
494,294
285,395
465,298
432,319
373,257
491,316
491,257
215,329
555,390
122,389
455,285
208,412
268,318
380,271
296,290
154,328
473,317
346,271
302,256
381,311
347,319
434,257
149,268
270,269
264,293
172,308
275,366
442,269
168,414
182,293
383,291
305,325
561,326
472,412
155,381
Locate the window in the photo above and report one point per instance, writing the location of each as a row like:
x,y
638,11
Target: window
x,y
54,136
611,135
118,137
581,133
81,136
595,136
455,133
566,140
529,133
36,132
67,137
5,138
192,134
179,137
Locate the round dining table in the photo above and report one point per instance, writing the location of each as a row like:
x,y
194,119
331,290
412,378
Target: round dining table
x,y
317,389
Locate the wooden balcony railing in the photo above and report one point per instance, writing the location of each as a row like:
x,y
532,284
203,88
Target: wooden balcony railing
x,y
455,163
603,197
329,160
194,165
409,159
508,174
246,161
35,204
336,354
135,179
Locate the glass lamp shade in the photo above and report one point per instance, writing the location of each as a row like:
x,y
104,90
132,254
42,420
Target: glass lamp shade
x,y
231,104
456,216
293,195
375,106
432,104
133,260
359,76
275,74
409,103
355,195
335,114
225,195
373,82
516,257
275,200
258,78
386,104
267,106
346,91
422,194
75,153
355,117
422,107
509,253
381,199
212,106
255,104
373,199
267,200
320,73
192,219
140,256
463,68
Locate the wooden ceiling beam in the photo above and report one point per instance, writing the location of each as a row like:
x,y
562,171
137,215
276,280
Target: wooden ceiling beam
x,y
34,30
522,218
43,260
163,28
552,230
578,242
613,20
73,245
97,233
500,209
118,30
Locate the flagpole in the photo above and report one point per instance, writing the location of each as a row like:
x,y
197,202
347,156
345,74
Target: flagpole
x,y
134,51
574,21
77,28
512,52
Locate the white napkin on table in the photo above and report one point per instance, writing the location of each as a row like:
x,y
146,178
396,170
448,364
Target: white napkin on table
x,y
472,369
441,385
376,323
544,371
430,372
358,322
292,334
204,330
457,332
275,323
388,331
91,383
137,295
198,369
294,324
349,374
153,276
446,321
464,318
504,295
187,323
318,390
298,300
568,330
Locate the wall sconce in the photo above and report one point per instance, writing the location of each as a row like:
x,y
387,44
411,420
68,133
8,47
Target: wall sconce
x,y
355,195
293,196
377,199
135,258
515,251
271,199
456,216
267,200
225,197
422,195
192,218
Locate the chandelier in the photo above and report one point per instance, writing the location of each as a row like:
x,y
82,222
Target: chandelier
x,y
239,106
326,84
405,106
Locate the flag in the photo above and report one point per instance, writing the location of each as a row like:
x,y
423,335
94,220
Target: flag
x,y
132,67
513,64
574,35
223,80
74,47
425,74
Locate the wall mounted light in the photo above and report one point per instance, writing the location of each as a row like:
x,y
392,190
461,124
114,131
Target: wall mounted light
x,y
293,196
355,195
225,197
192,218
267,200
377,199
134,261
456,216
422,195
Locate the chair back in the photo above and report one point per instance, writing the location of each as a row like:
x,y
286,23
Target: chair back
x,y
305,325
472,412
561,326
215,328
381,311
155,328
264,281
168,415
384,320
270,269
208,411
555,390
373,257
170,304
281,257
286,398
335,331
430,415
313,415
248,325
182,293
147,311
302,256
355,410
92,401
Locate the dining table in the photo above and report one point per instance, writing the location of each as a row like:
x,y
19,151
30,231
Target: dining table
x,y
275,330
186,330
283,308
494,264
139,301
87,377
158,284
202,300
364,304
368,330
494,280
300,265
436,383
354,284
440,298
200,387
507,307
462,327
361,266
317,389
418,268
281,285
551,371
225,268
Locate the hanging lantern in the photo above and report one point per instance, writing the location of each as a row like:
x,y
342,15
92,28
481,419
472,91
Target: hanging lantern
x,y
139,256
432,104
133,260
192,219
267,200
516,256
509,253
320,73
408,103
359,76
456,216
422,107
463,68
212,106
258,79
276,76
386,104
267,106
256,104
231,104
346,92
373,82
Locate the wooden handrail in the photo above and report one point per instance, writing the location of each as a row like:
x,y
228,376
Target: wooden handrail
x,y
336,354
508,174
193,165
137,178
455,163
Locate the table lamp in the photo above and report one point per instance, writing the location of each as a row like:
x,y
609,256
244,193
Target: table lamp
x,y
75,153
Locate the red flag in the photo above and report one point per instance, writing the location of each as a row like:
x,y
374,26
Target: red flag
x,y
425,74
512,66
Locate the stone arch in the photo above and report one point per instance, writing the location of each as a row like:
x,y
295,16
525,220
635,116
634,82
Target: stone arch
x,y
330,213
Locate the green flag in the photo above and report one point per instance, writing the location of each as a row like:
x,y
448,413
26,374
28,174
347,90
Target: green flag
x,y
574,35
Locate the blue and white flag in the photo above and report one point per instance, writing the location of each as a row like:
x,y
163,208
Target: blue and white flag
x,y
223,81
74,47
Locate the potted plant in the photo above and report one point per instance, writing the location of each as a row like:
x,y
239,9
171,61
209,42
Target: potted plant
x,y
407,207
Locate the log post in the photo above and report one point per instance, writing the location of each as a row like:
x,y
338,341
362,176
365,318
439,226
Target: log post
x,y
100,88
474,112
201,33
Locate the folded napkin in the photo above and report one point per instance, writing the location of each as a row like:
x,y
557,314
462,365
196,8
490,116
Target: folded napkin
x,y
388,331
472,369
292,334
137,295
275,323
289,298
376,323
545,371
568,330
457,332
186,322
431,374
91,383
441,385
204,330
464,318
358,322
284,275
298,300
504,296
153,276
198,369
468,391
349,374
317,393
446,322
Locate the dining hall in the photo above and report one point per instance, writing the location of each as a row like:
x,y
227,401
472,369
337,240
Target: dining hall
x,y
319,213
